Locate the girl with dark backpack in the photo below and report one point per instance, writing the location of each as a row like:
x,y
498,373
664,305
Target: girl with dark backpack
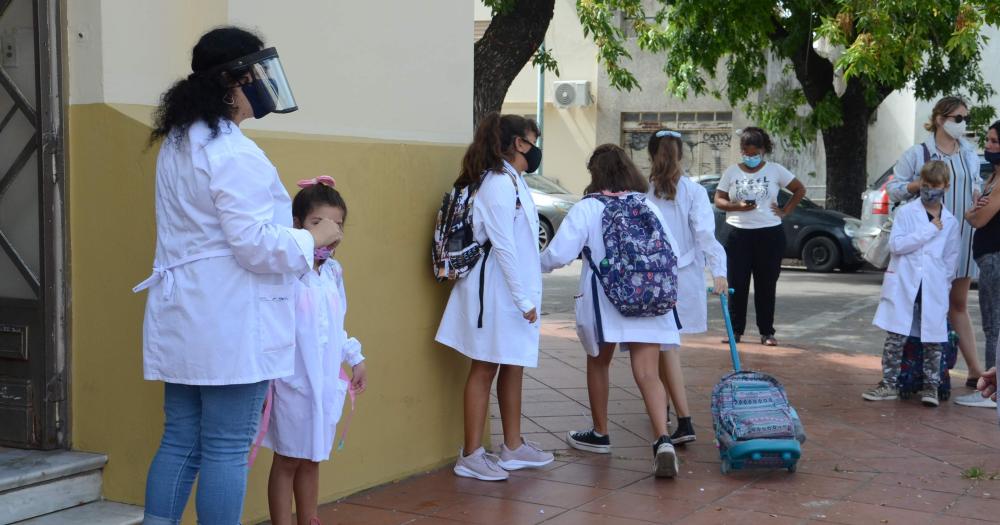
x,y
617,229
492,314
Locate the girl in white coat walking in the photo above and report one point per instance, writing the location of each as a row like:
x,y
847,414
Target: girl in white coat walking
x,y
219,320
308,404
492,314
688,214
600,331
925,247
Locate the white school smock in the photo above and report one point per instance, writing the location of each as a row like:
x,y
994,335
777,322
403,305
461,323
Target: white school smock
x,y
691,221
582,227
923,258
220,309
964,182
513,284
308,404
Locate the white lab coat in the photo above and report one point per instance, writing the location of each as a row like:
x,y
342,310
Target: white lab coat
x,y
690,219
220,309
582,227
923,258
513,282
308,404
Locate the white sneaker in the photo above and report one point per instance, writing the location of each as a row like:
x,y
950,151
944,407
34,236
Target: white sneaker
x,y
975,399
528,455
479,465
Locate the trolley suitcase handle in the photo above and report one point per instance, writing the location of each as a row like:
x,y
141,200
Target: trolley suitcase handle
x,y
724,298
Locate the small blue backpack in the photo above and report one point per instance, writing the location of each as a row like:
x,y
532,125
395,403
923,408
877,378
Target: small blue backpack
x,y
639,269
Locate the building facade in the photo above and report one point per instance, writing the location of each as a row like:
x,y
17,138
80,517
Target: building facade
x,y
79,82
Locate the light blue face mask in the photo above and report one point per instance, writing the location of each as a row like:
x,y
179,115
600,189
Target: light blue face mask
x,y
752,162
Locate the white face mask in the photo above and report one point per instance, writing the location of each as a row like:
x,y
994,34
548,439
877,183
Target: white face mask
x,y
955,129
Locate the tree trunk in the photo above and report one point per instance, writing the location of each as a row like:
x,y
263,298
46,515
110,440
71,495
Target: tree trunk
x,y
847,160
509,42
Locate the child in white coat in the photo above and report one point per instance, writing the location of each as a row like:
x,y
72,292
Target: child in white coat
x,y
308,404
614,175
925,249
688,214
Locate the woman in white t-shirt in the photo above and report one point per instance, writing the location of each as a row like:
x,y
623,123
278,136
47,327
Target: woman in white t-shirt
x,y
748,193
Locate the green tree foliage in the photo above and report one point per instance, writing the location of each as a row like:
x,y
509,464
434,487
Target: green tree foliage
x,y
933,46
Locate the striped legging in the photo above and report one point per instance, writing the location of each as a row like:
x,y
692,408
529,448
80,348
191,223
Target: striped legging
x,y
989,302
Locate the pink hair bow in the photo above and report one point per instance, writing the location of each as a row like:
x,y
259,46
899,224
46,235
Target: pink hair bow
x,y
325,180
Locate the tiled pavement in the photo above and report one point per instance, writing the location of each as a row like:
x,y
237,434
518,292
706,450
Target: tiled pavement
x,y
888,462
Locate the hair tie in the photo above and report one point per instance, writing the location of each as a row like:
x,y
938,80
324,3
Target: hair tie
x,y
325,180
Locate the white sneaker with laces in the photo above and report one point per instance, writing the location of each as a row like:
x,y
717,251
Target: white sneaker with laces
x,y
479,465
528,455
975,399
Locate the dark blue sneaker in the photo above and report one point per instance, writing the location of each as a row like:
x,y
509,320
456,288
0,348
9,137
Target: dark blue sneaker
x,y
589,441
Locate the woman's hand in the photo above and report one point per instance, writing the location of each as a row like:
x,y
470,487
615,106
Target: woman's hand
x,y
326,232
745,206
720,286
359,378
532,315
778,211
987,385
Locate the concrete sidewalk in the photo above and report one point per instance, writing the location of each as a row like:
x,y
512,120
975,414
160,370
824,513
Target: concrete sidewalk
x,y
863,462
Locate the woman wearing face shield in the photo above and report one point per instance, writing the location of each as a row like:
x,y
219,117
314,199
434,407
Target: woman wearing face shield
x,y
219,321
946,143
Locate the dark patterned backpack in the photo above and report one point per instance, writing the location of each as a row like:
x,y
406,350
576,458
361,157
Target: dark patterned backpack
x,y
639,269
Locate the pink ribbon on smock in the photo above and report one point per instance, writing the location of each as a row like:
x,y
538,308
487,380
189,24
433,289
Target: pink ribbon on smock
x,y
325,180
347,421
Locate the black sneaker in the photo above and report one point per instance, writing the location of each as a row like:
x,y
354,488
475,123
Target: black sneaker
x,y
589,441
664,458
683,434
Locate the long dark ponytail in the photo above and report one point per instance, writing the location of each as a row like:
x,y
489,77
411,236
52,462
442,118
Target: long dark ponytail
x,y
665,153
201,95
491,144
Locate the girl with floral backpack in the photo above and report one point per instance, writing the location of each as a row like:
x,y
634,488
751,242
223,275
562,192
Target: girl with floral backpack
x,y
627,295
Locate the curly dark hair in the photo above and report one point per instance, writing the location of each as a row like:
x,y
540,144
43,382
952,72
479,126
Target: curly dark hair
x,y
199,97
752,136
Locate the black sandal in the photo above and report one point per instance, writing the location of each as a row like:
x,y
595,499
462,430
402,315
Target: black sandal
x,y
768,340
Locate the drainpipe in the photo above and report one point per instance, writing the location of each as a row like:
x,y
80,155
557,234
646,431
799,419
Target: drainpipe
x,y
540,106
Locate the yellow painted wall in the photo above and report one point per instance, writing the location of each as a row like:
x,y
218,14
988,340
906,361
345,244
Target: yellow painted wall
x,y
410,418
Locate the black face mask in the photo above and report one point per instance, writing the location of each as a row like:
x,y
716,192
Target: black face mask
x,y
533,157
256,94
993,157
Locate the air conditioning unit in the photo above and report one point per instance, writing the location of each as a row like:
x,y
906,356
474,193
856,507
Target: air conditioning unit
x,y
570,93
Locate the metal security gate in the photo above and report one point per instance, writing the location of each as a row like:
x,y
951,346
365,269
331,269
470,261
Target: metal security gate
x,y
32,342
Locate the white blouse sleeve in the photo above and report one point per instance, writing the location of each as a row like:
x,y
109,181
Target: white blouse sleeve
x,y
566,246
496,201
240,190
702,223
352,347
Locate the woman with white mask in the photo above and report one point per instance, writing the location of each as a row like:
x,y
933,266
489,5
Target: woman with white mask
x,y
946,143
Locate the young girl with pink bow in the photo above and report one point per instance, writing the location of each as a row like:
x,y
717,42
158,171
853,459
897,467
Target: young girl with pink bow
x,y
307,405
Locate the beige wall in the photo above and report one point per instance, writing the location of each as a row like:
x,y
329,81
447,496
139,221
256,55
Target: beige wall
x,y
385,108
355,70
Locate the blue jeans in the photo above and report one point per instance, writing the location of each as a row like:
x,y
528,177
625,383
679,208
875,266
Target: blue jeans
x,y
207,433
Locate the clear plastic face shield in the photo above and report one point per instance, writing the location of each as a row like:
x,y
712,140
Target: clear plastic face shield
x,y
263,82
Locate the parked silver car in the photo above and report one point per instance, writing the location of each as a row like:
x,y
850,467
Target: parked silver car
x,y
553,203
